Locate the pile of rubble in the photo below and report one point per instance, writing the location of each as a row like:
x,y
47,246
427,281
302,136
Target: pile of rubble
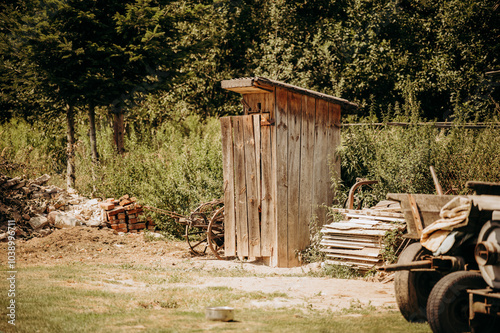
x,y
38,208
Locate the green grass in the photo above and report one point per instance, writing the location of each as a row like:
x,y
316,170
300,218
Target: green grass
x,y
116,298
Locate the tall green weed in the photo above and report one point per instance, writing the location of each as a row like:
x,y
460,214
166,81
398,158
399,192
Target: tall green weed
x,y
173,167
30,150
400,157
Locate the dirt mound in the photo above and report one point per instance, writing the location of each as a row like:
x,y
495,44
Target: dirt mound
x,y
84,243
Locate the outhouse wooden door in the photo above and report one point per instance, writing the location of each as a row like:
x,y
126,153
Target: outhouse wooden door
x,y
248,178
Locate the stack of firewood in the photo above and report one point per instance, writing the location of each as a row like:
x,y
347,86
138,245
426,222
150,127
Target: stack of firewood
x,y
125,215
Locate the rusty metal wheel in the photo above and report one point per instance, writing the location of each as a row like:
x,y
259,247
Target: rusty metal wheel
x,y
215,233
196,235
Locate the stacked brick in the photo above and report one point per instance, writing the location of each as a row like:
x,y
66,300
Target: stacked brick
x,y
125,215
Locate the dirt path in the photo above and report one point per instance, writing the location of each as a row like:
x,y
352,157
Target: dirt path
x,y
291,286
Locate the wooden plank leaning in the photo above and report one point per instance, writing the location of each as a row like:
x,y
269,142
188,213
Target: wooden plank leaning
x,y
252,188
227,161
240,188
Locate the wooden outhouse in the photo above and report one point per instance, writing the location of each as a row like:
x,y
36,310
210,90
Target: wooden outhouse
x,y
277,158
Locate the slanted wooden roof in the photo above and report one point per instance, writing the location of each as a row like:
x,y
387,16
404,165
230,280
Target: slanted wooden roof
x,y
259,85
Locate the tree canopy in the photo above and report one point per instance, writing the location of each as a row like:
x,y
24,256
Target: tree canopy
x,y
383,55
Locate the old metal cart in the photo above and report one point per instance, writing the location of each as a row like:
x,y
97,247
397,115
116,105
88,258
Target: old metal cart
x,y
204,227
436,287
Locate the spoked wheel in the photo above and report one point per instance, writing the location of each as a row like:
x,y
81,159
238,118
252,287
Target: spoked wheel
x,y
412,288
215,233
195,235
448,307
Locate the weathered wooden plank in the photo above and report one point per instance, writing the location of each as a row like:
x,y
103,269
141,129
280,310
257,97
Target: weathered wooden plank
x,y
334,138
281,177
274,183
365,253
375,241
328,230
360,258
369,212
378,218
252,189
295,234
270,98
335,242
258,155
240,188
360,265
416,215
228,174
306,167
341,245
320,165
267,201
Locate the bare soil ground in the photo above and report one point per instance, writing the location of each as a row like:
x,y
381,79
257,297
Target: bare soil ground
x,y
105,247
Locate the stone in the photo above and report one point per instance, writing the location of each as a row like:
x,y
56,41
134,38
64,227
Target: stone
x,y
74,201
92,202
65,221
45,232
26,217
60,220
93,223
71,190
38,222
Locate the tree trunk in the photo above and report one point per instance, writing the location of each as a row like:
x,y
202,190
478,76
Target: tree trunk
x,y
118,128
92,135
70,148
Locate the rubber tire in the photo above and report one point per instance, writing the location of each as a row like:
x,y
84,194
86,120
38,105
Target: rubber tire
x,y
448,306
412,289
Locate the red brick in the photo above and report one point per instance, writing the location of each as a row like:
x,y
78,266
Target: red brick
x,y
133,231
125,202
112,200
130,207
126,196
119,226
121,216
106,205
132,221
121,230
137,226
132,216
116,211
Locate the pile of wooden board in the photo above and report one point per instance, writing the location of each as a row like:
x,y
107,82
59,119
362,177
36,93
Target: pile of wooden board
x,y
357,241
125,215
